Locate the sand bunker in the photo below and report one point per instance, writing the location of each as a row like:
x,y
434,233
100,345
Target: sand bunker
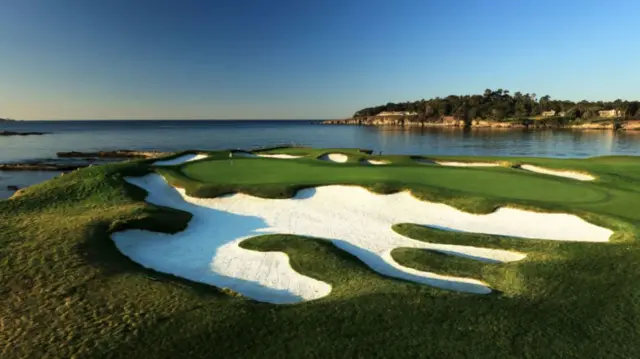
x,y
567,174
182,159
455,163
354,219
561,173
335,157
467,164
375,162
279,156
243,154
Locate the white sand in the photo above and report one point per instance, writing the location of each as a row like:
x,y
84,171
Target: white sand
x,y
354,219
467,164
375,162
182,159
335,157
282,156
567,174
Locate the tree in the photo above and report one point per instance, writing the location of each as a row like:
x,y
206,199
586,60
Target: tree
x,y
544,103
428,111
633,109
499,114
500,104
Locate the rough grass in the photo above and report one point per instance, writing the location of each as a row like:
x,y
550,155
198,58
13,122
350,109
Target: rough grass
x,y
66,291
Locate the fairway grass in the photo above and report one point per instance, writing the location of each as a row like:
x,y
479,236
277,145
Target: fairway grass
x,y
67,291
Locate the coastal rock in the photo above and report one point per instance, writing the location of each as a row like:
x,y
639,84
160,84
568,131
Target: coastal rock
x,y
13,133
54,164
113,154
450,121
39,167
12,188
632,126
594,126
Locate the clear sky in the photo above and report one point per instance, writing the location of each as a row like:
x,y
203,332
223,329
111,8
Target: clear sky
x,y
305,59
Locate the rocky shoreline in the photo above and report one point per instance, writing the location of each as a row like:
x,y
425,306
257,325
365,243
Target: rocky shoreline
x,y
64,163
449,122
13,133
40,166
113,154
70,161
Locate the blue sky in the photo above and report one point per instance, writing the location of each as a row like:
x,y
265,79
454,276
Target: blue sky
x,y
304,59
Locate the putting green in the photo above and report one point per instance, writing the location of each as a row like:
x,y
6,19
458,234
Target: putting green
x,y
501,183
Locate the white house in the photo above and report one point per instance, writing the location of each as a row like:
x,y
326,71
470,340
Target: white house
x,y
610,113
396,113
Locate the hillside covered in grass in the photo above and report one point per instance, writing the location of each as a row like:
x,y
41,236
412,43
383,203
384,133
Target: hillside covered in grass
x,y
67,291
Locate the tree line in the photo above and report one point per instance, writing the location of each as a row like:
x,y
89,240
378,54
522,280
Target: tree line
x,y
501,105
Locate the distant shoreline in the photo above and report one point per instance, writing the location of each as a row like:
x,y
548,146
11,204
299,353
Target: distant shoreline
x,y
449,122
15,133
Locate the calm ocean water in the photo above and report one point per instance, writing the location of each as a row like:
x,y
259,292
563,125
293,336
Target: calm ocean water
x,y
211,135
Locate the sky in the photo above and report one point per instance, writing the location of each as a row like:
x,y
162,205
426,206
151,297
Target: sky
x,y
303,59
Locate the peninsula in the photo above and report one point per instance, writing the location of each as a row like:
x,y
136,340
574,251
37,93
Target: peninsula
x,y
501,109
194,251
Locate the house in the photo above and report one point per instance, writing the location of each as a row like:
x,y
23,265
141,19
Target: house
x,y
610,113
548,113
396,113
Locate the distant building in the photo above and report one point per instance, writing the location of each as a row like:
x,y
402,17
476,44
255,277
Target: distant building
x,y
548,113
561,113
610,113
396,113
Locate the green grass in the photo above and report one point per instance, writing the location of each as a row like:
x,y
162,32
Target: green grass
x,y
66,291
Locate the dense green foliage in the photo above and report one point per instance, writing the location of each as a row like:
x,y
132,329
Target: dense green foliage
x,y
501,104
66,291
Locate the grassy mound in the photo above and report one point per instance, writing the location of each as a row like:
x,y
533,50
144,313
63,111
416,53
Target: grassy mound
x,y
66,291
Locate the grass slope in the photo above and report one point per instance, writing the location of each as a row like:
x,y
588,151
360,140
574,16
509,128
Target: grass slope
x,y
66,291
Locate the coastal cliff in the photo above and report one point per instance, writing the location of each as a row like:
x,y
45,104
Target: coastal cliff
x,y
449,121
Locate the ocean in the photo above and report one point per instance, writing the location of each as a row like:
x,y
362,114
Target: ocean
x,y
173,135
